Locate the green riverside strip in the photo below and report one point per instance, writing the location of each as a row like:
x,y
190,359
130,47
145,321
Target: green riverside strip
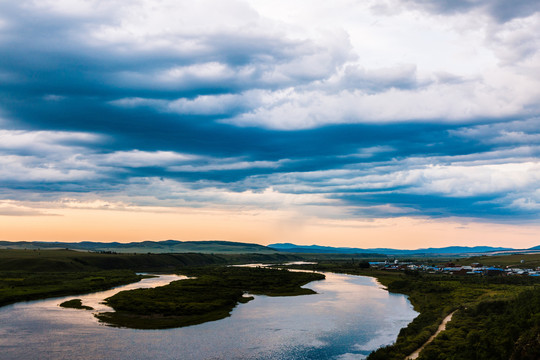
x,y
23,286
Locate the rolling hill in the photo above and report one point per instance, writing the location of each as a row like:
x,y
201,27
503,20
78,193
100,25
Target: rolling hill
x,y
156,247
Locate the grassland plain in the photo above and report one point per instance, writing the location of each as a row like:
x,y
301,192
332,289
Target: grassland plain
x,y
70,260
497,317
210,295
514,260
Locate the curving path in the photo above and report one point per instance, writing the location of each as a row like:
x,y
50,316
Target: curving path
x,y
441,327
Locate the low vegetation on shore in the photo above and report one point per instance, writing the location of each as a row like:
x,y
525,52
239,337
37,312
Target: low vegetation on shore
x,y
210,294
24,286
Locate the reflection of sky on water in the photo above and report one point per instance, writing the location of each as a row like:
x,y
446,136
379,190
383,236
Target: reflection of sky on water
x,y
348,318
95,300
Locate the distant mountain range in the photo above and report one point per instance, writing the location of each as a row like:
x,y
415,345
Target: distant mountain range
x,y
166,246
216,246
450,250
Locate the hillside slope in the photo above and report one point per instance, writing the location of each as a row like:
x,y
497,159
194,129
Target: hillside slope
x,y
166,246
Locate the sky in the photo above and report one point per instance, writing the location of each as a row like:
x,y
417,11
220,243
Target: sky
x,y
375,123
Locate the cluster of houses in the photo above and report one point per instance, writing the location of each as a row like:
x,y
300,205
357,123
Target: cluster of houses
x,y
451,268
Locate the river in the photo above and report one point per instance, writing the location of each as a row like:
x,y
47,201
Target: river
x,y
348,318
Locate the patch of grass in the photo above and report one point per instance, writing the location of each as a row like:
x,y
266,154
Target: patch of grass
x,y
75,304
211,295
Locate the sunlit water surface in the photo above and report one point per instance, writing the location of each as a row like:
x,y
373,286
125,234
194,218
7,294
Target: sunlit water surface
x,y
348,318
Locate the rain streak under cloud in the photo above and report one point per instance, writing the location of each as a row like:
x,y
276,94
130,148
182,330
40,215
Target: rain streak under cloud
x,y
349,110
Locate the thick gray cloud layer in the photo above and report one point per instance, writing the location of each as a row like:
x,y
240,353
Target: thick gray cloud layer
x,y
196,104
500,10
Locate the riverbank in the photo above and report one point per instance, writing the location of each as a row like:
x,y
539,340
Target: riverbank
x,y
485,305
18,286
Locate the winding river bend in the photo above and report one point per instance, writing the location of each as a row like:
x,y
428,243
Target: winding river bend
x,y
348,318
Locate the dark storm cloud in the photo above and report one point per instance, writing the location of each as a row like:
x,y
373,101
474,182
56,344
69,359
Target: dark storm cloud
x,y
478,207
68,126
47,53
511,133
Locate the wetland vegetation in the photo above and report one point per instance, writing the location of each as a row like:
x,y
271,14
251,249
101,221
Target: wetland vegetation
x,y
38,274
24,285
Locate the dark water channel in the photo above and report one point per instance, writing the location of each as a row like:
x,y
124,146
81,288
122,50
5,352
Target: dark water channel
x,y
348,318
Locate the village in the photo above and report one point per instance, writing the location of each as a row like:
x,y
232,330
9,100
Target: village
x,y
475,269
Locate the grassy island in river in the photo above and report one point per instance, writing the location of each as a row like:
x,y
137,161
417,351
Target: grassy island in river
x,y
210,295
75,304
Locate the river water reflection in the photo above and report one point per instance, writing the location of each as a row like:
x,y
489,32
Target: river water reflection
x,y
348,318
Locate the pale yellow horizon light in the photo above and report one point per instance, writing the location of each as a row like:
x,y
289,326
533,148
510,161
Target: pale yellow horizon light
x,y
261,227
